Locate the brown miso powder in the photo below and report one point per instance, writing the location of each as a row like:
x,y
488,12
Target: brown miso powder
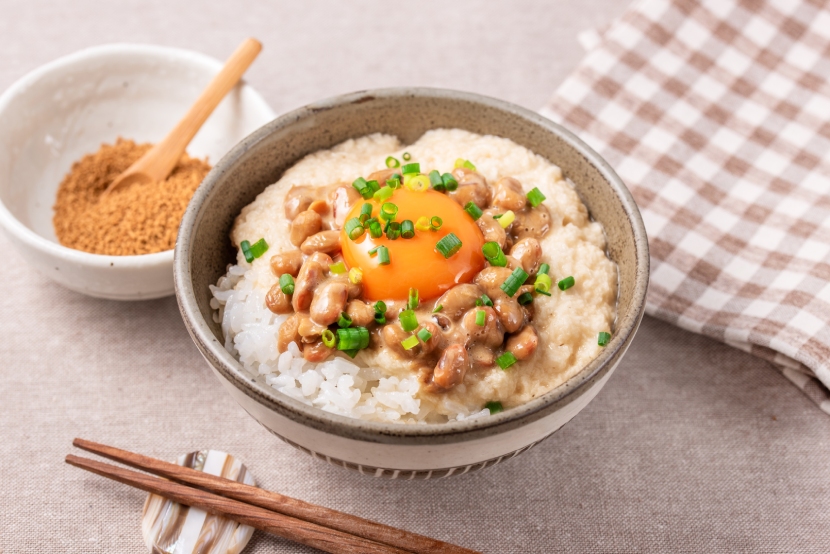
x,y
135,219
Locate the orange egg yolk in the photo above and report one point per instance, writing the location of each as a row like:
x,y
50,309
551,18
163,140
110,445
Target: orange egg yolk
x,y
414,262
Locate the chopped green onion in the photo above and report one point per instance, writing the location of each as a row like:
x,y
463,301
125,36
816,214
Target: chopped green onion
x,y
351,353
438,308
525,298
449,245
416,183
603,338
287,283
469,165
374,251
409,322
354,228
566,283
543,292
516,280
355,275
383,255
380,318
407,229
410,342
363,188
259,248
543,269
497,216
375,230
328,338
344,320
384,194
535,197
406,156
494,407
365,212
374,185
494,254
481,318
393,230
436,181
245,246
352,338
412,303
479,302
388,211
392,161
435,223
422,224
394,182
337,268
474,211
486,300
450,182
506,360
506,219
543,283
424,334
414,167
380,306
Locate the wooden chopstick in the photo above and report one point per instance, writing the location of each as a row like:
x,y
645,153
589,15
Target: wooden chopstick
x,y
297,530
275,502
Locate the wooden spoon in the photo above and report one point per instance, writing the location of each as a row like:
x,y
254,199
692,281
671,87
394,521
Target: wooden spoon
x,y
159,161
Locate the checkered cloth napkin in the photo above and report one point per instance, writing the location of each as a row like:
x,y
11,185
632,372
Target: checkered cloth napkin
x,y
716,114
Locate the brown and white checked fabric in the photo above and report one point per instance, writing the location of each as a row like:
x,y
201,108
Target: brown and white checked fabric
x,y
716,114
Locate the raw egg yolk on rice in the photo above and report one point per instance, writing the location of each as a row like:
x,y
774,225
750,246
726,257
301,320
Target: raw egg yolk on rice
x,y
415,262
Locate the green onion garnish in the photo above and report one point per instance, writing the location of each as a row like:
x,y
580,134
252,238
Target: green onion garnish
x,y
535,197
328,338
380,318
363,188
422,224
337,268
354,228
352,338
344,320
409,322
365,212
380,306
374,185
424,334
351,353
373,252
494,407
383,255
355,275
259,248
412,303
494,254
497,216
479,302
525,298
485,300
375,229
603,338
543,269
481,318
506,360
410,342
435,223
392,161
388,211
474,211
384,194
438,308
406,156
416,182
506,219
407,229
449,181
245,246
393,230
414,167
394,182
436,181
516,280
448,245
543,283
469,165
566,283
287,283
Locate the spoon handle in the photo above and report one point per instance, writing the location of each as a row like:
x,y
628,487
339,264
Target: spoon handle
x,y
163,156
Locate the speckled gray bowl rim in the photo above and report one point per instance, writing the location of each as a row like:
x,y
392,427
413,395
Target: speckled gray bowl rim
x,y
395,433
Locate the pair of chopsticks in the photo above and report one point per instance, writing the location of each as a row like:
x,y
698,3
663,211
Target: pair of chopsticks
x,y
296,520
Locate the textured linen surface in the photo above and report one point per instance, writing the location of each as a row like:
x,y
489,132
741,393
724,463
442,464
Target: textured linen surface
x,y
692,446
715,114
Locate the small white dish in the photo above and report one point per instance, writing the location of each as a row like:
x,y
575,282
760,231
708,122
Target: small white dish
x,y
69,107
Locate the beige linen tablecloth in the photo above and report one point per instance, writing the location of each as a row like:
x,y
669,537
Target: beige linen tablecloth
x,y
693,446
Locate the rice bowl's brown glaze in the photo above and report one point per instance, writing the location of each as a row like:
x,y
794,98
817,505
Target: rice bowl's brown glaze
x,y
203,252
